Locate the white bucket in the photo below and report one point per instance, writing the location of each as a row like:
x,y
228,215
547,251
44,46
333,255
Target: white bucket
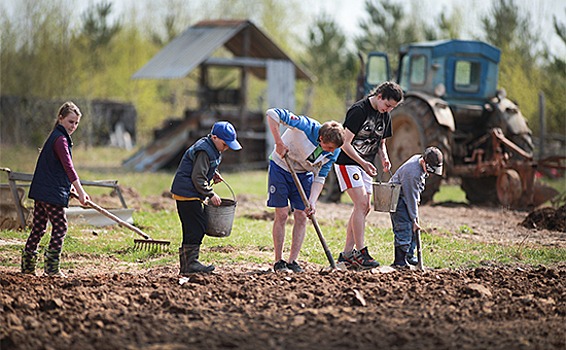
x,y
385,196
220,218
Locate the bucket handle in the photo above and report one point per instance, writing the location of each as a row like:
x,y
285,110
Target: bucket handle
x,y
379,175
230,188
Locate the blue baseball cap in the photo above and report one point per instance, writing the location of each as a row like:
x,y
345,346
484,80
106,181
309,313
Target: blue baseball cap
x,y
227,133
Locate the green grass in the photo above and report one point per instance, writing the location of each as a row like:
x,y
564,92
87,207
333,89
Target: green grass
x,y
250,240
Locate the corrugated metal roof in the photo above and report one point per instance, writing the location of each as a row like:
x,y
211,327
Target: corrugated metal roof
x,y
187,51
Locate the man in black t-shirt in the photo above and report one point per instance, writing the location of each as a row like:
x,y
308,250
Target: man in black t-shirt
x,y
367,124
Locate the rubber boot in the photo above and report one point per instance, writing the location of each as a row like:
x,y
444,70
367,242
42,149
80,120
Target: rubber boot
x,y
401,256
52,262
29,261
188,256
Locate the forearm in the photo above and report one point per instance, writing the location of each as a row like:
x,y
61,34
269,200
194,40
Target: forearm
x,y
199,175
316,189
383,152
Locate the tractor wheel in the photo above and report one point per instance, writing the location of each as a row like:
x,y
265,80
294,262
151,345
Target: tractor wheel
x,y
482,190
414,129
509,187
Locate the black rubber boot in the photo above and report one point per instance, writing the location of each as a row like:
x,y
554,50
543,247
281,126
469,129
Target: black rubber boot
x,y
52,262
188,256
401,256
29,261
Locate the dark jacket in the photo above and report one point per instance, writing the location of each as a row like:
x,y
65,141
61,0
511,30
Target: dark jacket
x,y
50,182
182,183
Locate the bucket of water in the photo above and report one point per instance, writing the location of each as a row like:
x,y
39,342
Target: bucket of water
x,y
221,218
385,196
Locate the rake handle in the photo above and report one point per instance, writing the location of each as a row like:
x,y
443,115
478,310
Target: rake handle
x,y
114,217
313,219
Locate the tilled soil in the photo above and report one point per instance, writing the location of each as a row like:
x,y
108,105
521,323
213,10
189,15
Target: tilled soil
x,y
246,307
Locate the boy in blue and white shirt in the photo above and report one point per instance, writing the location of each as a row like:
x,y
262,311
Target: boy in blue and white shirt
x,y
312,148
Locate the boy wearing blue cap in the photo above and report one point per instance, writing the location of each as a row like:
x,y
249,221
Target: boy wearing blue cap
x,y
192,185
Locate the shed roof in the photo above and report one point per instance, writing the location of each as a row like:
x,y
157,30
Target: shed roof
x,y
196,44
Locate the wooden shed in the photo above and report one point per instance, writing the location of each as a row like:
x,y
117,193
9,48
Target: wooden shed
x,y
252,53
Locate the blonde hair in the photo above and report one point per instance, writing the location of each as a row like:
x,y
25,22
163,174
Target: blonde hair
x,y
66,109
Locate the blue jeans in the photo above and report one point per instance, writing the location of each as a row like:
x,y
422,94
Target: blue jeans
x,y
403,227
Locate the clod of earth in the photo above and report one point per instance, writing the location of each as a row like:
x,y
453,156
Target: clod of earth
x,y
547,218
243,307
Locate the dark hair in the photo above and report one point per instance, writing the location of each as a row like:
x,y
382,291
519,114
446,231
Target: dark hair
x,y
389,91
332,132
66,109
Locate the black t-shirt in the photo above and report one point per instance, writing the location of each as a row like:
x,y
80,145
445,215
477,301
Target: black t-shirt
x,y
369,128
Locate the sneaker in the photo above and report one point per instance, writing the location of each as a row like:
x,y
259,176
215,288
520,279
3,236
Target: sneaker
x,y
347,258
363,260
294,266
280,266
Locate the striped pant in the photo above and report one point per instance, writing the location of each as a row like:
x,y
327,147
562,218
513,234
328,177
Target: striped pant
x,y
43,212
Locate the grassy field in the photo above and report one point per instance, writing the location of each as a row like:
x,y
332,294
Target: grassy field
x,y
250,240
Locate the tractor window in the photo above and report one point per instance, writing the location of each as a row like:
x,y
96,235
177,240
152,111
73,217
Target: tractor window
x,y
418,70
377,70
467,78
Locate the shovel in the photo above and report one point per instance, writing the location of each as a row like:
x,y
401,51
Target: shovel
x,y
147,242
313,219
419,250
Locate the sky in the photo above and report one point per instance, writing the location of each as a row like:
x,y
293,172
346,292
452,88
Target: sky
x,y
348,13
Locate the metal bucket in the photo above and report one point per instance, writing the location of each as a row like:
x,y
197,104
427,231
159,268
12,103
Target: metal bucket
x,y
221,218
385,196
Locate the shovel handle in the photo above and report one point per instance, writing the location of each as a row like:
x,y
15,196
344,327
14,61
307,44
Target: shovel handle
x,y
313,219
419,251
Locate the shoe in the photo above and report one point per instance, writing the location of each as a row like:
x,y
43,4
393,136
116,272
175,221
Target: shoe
x,y
363,260
281,266
294,266
347,258
412,260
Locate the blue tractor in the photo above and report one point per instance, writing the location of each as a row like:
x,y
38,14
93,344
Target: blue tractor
x,y
452,101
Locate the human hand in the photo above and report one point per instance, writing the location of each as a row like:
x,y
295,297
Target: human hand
x,y
311,209
386,165
416,226
216,178
216,200
281,149
370,169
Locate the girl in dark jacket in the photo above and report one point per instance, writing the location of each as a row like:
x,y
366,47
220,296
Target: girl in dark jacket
x,y
50,189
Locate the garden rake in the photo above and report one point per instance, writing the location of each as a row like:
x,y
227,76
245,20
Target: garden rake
x,y
146,243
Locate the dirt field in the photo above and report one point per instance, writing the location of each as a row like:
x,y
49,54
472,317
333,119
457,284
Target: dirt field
x,y
248,307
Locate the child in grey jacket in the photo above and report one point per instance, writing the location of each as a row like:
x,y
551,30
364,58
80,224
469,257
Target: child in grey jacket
x,y
411,175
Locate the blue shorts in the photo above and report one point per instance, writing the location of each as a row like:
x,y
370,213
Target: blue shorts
x,y
282,189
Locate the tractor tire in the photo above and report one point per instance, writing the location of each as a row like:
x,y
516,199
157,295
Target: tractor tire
x,y
414,129
480,190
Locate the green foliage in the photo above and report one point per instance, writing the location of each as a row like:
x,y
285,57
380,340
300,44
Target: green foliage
x,y
50,52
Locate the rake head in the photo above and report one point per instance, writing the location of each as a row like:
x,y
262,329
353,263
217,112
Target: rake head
x,y
150,244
